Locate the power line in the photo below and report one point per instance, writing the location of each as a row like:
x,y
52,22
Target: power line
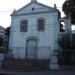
x,y
12,11
6,11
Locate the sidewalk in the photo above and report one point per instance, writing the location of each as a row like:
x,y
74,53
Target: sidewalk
x,y
38,73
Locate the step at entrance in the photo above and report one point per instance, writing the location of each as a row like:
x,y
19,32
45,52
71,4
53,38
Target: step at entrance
x,y
25,65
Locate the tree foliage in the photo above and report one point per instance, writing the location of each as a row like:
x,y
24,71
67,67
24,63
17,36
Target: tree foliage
x,y
7,31
69,9
1,41
7,34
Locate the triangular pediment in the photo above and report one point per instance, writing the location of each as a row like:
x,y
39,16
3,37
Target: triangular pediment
x,y
34,7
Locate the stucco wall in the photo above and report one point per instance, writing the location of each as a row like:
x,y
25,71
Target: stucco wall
x,y
47,40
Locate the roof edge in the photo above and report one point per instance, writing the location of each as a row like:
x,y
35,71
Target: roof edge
x,y
30,4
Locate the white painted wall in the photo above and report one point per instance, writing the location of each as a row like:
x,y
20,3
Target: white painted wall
x,y
47,38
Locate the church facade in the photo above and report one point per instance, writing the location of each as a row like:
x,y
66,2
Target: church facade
x,y
34,32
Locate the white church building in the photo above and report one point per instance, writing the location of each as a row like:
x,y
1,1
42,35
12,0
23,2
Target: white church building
x,y
35,30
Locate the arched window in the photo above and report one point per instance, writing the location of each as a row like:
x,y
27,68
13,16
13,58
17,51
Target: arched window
x,y
41,24
24,26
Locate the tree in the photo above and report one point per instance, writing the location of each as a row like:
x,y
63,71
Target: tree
x,y
69,9
7,34
1,41
7,31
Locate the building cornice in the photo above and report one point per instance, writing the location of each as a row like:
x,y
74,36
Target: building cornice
x,y
33,13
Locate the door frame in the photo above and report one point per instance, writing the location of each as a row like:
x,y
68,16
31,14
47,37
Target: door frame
x,y
28,39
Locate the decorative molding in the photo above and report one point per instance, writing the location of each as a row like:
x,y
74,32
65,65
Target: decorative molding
x,y
32,38
33,13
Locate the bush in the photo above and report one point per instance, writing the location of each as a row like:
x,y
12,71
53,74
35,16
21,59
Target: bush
x,y
1,41
65,42
3,49
65,56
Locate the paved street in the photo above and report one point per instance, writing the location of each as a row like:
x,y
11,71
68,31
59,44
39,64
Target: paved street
x,y
38,73
50,73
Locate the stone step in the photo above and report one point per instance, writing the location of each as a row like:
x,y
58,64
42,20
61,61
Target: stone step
x,y
25,65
